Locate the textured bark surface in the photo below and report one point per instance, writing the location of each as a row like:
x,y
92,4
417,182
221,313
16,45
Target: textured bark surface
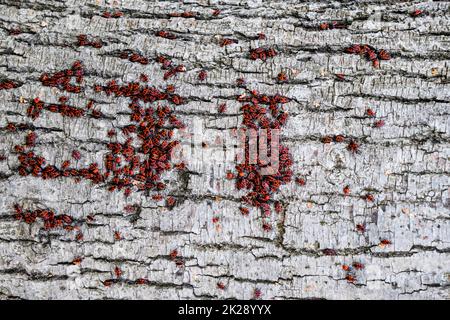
x,y
403,164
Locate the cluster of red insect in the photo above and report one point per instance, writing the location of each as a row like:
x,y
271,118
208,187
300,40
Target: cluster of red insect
x,y
165,34
32,164
133,57
262,53
50,219
337,138
82,41
115,14
124,166
143,165
351,271
62,79
36,106
263,112
14,31
12,127
332,25
370,53
352,145
8,84
166,64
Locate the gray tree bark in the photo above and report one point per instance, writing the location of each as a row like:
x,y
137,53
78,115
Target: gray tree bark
x,y
403,164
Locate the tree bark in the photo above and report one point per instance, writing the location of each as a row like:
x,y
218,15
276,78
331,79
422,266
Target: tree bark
x,y
403,164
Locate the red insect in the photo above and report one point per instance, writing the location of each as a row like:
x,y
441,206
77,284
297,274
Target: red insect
x,y
76,154
117,272
350,278
376,63
416,13
230,175
165,34
143,77
369,197
227,41
173,254
340,76
257,293
355,49
220,285
117,14
282,77
385,242
358,266
222,108
345,267
11,127
79,236
339,138
108,283
215,220
346,190
216,12
278,207
117,235
179,262
180,166
379,124
170,201
142,281
30,140
327,139
77,261
14,31
384,55
361,228
266,227
202,75
371,55
244,211
300,181
324,26
65,164
332,25
240,82
90,104
353,147
111,133
329,252
370,113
